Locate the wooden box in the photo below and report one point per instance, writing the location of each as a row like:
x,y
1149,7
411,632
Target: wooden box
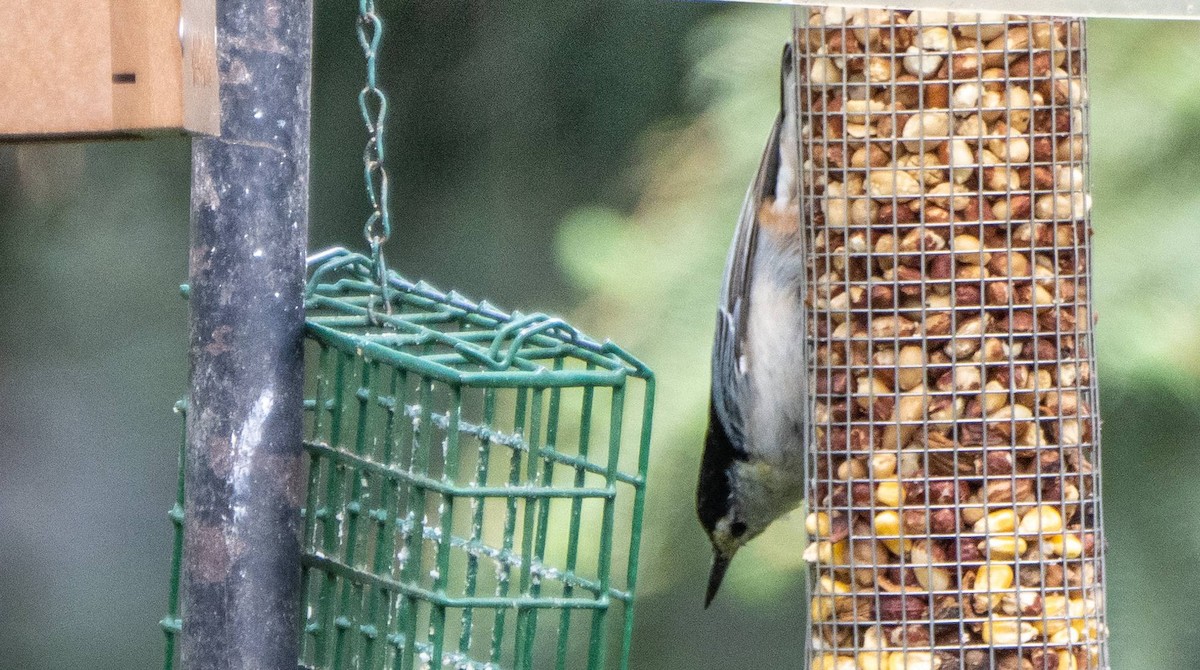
x,y
91,69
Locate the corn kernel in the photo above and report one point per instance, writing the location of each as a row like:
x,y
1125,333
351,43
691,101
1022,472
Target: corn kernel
x,y
1065,544
1093,631
1000,521
821,607
1054,606
824,551
1066,661
890,493
1041,519
991,581
873,660
839,553
827,552
1079,610
1003,547
1054,614
1007,632
818,524
887,525
834,662
913,660
1064,636
830,585
993,577
874,638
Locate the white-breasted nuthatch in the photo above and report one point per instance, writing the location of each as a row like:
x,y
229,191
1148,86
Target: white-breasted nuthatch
x,y
753,464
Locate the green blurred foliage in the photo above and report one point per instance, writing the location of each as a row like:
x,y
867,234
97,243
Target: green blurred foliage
x,y
583,157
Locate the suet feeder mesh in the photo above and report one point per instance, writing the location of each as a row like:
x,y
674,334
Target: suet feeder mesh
x,y
476,482
476,479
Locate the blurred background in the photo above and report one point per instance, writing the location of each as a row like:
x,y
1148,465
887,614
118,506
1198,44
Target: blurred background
x,y
583,158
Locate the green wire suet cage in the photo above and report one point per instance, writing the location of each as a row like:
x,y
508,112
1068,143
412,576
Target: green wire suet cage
x,y
476,482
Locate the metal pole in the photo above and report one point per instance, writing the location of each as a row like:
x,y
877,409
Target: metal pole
x,y
249,225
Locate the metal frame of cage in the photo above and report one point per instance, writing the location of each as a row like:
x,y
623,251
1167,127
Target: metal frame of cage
x,y
400,530
953,487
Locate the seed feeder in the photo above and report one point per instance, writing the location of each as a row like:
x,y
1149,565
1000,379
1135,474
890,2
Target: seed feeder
x,y
475,479
953,493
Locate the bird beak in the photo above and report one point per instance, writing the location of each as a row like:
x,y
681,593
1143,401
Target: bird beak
x,y
719,566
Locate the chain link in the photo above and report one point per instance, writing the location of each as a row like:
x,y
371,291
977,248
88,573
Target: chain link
x,y
373,104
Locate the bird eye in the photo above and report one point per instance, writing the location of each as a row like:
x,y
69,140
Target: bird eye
x,y
737,528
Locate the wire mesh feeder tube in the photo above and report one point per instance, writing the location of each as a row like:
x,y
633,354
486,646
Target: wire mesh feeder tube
x,y
475,483
953,485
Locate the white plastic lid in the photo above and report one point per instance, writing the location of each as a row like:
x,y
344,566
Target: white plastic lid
x,y
1132,9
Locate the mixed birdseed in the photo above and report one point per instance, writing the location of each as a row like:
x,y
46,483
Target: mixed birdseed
x,y
953,497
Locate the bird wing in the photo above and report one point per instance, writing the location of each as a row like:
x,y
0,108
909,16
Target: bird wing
x,y
725,440
728,364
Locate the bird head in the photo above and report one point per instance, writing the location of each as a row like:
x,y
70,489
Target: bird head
x,y
728,535
757,494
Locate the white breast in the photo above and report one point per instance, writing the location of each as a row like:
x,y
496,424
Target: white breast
x,y
776,364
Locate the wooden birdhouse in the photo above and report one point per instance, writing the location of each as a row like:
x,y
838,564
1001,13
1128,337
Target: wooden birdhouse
x,y
107,69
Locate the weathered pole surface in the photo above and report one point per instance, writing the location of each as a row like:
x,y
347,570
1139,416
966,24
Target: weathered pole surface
x,y
249,226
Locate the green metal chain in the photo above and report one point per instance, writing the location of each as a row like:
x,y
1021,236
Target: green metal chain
x,y
373,104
